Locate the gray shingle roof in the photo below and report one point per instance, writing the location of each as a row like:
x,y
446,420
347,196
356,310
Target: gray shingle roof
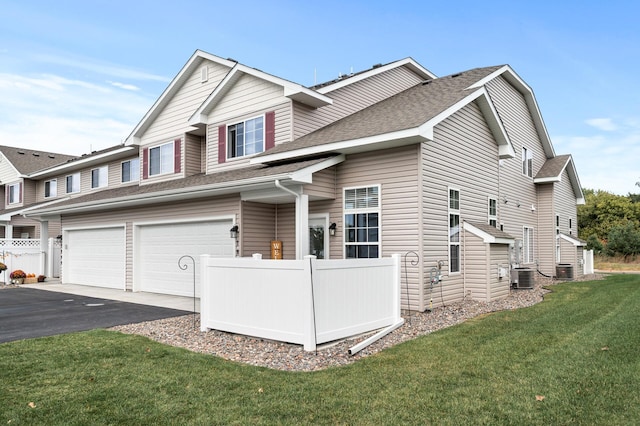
x,y
553,167
492,230
191,182
28,161
405,110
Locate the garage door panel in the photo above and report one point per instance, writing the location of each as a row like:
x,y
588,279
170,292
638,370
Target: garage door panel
x,y
95,257
161,246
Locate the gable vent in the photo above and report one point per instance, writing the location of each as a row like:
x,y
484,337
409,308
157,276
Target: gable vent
x,y
204,74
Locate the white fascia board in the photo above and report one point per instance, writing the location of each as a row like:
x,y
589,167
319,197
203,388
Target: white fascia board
x,y
548,179
306,175
291,89
80,162
510,75
399,138
409,62
194,61
570,239
24,211
486,238
161,196
505,148
200,116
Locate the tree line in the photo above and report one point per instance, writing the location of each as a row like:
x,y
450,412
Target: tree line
x,y
610,223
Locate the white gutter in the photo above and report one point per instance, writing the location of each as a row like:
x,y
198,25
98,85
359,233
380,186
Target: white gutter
x,y
298,218
379,335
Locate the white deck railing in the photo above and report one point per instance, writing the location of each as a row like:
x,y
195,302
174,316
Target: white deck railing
x,y
306,302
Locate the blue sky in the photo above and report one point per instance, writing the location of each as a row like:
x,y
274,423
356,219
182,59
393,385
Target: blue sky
x,y
77,76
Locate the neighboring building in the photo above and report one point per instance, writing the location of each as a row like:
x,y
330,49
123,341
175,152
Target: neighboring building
x,y
23,192
457,172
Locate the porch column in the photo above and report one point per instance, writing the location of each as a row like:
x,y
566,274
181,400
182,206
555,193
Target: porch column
x,y
44,246
302,227
8,232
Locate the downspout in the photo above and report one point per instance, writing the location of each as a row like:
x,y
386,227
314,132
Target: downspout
x,y
298,224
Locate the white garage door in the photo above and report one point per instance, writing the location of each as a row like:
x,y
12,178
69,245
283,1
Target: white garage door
x,y
159,247
94,257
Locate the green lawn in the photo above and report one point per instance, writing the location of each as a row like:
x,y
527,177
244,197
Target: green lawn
x,y
573,359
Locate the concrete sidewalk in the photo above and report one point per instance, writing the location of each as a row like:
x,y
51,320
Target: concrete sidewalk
x,y
151,299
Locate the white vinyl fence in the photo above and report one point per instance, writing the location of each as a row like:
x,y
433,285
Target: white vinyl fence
x,y
22,254
306,302
588,261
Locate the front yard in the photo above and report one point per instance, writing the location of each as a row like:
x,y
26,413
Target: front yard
x,y
570,359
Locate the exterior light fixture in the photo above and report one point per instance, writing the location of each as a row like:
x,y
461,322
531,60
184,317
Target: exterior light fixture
x,y
234,231
332,229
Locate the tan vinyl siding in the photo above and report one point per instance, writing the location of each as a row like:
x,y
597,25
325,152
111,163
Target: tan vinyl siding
x,y
323,186
463,156
257,228
353,98
192,154
29,194
23,225
7,172
396,171
564,200
172,120
475,254
546,229
282,135
499,288
516,187
285,229
209,208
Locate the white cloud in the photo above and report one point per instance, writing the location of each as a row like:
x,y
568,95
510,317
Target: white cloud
x,y
124,86
605,124
57,114
608,162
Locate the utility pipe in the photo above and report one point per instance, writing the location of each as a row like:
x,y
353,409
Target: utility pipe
x,y
379,335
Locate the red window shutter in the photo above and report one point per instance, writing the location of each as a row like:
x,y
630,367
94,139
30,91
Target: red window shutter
x,y
7,190
177,156
145,163
20,193
269,130
222,144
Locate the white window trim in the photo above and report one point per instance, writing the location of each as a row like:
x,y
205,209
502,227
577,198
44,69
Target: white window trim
x,y
527,162
130,169
451,211
528,249
11,186
66,181
103,173
491,217
45,188
173,159
264,136
346,211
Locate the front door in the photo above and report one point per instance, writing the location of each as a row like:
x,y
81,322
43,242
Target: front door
x,y
317,237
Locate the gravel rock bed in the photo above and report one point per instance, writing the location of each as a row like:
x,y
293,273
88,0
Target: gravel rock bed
x,y
184,331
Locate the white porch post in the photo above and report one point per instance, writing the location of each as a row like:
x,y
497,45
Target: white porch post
x,y
8,232
44,247
302,227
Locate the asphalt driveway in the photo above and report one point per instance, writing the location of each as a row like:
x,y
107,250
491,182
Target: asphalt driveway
x,y
26,313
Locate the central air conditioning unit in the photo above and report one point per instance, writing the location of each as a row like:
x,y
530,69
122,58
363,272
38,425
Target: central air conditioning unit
x,y
522,278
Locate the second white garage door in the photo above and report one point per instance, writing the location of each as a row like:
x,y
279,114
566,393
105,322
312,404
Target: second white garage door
x,y
159,247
